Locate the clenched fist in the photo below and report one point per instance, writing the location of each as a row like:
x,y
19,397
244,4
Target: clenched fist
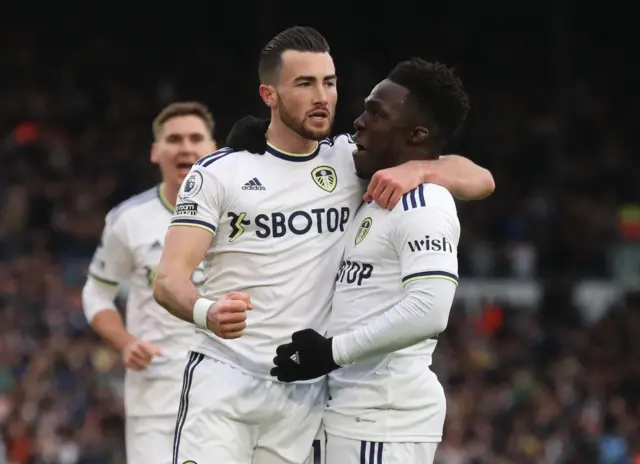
x,y
138,354
227,317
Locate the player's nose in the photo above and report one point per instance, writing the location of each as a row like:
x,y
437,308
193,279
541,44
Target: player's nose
x,y
188,148
320,96
358,124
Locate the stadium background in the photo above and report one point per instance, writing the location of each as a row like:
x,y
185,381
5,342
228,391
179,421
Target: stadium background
x,y
541,360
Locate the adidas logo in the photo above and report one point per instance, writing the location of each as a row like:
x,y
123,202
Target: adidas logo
x,y
253,184
295,357
156,245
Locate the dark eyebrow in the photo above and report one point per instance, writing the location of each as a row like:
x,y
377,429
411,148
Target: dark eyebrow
x,y
178,135
313,78
375,105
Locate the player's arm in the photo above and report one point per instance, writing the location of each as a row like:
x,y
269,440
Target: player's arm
x,y
184,248
461,176
429,278
189,237
112,264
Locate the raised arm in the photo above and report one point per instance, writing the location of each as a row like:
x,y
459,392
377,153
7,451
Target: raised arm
x,y
461,176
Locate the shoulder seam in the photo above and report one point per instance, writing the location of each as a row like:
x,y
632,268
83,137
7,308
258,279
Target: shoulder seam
x,y
211,158
136,200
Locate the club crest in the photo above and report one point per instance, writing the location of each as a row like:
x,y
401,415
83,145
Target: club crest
x,y
363,230
325,177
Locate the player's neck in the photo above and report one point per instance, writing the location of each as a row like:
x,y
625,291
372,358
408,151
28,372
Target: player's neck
x,y
169,193
284,139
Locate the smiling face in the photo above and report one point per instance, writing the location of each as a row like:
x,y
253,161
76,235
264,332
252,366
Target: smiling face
x,y
180,142
304,95
381,130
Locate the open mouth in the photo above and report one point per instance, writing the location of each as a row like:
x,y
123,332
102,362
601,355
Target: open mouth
x,y
319,115
184,168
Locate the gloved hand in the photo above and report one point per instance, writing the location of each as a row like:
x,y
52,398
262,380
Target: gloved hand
x,y
308,356
248,134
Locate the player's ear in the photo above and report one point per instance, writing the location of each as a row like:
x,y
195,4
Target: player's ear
x,y
155,155
214,145
268,94
419,135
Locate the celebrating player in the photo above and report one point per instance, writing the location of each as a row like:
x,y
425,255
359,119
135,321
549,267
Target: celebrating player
x,y
271,227
153,344
395,286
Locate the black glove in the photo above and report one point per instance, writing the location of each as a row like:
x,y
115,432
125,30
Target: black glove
x,y
248,134
308,356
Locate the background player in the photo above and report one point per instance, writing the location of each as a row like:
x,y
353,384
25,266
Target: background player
x,y
270,226
154,343
395,287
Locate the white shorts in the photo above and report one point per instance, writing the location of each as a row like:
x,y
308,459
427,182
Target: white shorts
x,y
227,416
149,439
342,450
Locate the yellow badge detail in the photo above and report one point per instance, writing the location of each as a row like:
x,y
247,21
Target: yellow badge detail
x,y
363,230
151,275
325,177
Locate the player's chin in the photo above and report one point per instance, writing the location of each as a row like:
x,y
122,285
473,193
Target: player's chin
x,y
318,129
361,156
364,167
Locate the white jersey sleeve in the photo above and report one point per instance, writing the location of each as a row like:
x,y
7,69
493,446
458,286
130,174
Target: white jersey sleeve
x,y
201,196
426,234
425,238
112,261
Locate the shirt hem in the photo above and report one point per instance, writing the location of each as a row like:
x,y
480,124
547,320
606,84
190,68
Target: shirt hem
x,y
253,373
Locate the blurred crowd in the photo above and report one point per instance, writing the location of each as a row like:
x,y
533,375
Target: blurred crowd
x,y
533,388
538,387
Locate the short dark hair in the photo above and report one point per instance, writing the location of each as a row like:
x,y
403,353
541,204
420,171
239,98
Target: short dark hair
x,y
299,38
439,95
189,108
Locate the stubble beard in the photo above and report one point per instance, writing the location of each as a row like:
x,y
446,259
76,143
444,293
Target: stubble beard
x,y
299,127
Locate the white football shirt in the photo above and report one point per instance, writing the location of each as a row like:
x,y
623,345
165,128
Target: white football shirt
x,y
130,250
393,397
278,221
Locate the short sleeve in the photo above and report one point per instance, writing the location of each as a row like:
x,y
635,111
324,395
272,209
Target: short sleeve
x,y
200,200
426,240
112,261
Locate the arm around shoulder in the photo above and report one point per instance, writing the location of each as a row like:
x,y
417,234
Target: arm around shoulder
x,y
461,176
